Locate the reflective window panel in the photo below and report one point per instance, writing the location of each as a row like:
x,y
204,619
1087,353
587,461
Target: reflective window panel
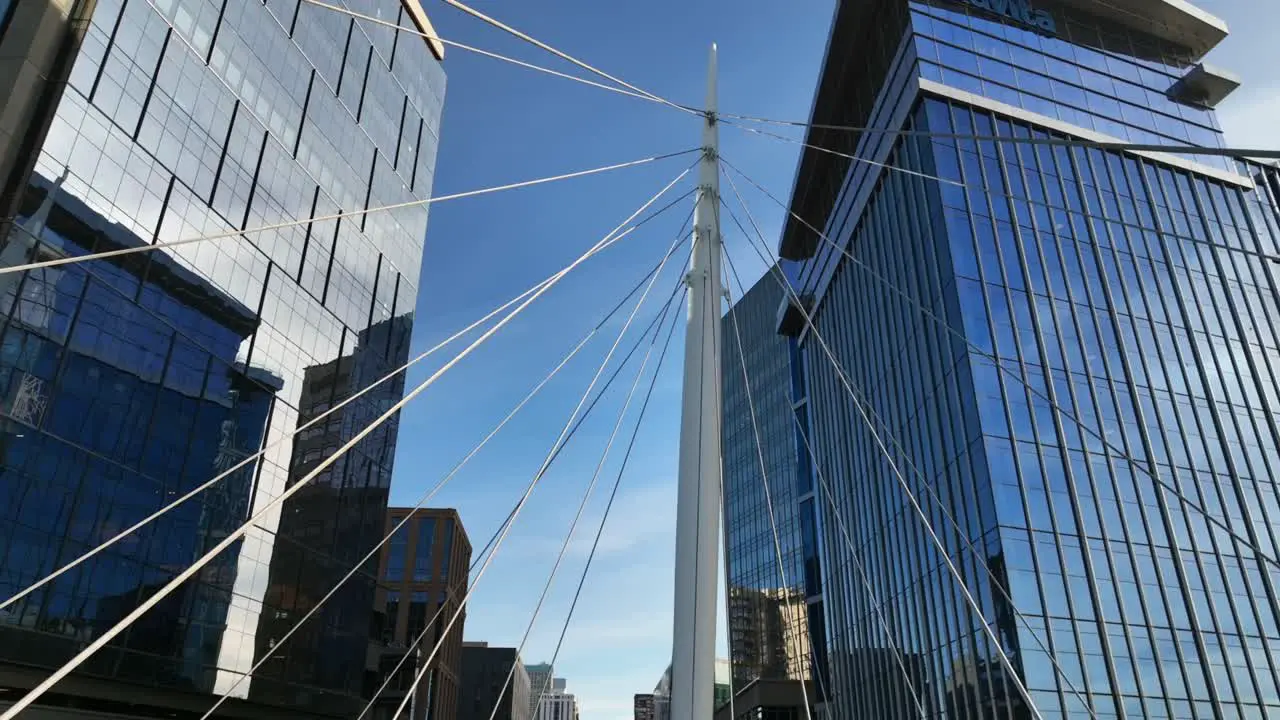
x,y
126,382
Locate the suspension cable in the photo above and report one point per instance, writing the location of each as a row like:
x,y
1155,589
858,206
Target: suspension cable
x,y
847,156
928,526
479,51
902,482
1001,364
533,484
595,477
564,56
1237,153
790,634
724,529
583,505
728,590
316,420
876,607
54,262
426,497
106,637
653,382
764,473
493,538
996,581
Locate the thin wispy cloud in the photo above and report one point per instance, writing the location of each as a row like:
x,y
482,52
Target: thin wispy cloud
x,y
640,517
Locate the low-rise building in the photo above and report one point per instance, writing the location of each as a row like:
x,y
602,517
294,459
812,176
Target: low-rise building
x,y
643,706
484,674
422,580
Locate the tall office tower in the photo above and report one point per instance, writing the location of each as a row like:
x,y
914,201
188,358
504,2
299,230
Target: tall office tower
x,y
1102,426
484,673
152,121
422,579
540,676
769,633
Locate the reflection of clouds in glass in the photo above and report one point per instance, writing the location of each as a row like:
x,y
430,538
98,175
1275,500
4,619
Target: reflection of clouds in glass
x,y
174,348
235,654
253,574
159,187
235,264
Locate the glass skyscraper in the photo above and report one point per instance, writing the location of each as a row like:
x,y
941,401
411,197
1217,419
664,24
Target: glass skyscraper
x,y
767,618
540,676
127,381
1109,408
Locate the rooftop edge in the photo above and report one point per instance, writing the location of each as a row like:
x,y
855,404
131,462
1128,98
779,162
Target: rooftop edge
x,y
420,21
1174,21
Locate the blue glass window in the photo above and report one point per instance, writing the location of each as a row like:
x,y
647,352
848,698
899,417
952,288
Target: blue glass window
x,y
422,549
397,554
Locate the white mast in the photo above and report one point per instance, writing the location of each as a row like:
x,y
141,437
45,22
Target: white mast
x,y
697,509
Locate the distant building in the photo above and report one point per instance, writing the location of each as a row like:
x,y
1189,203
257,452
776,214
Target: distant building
x,y
723,689
643,706
422,575
662,697
540,677
484,671
558,704
720,694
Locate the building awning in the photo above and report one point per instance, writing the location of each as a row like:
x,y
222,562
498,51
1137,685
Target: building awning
x,y
1204,85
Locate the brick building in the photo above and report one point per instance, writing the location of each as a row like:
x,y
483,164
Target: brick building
x,y
422,578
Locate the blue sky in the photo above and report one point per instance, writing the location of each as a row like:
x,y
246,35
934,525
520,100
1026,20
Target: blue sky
x,y
503,124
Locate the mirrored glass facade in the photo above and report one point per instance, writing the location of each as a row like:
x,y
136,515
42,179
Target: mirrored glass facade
x,y
1096,441
768,622
120,392
132,379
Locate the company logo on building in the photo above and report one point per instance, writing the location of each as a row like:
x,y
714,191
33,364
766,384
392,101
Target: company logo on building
x,y
1019,10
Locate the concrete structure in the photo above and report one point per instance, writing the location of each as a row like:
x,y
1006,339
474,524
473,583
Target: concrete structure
x,y
484,671
698,486
125,382
1130,289
422,575
39,40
